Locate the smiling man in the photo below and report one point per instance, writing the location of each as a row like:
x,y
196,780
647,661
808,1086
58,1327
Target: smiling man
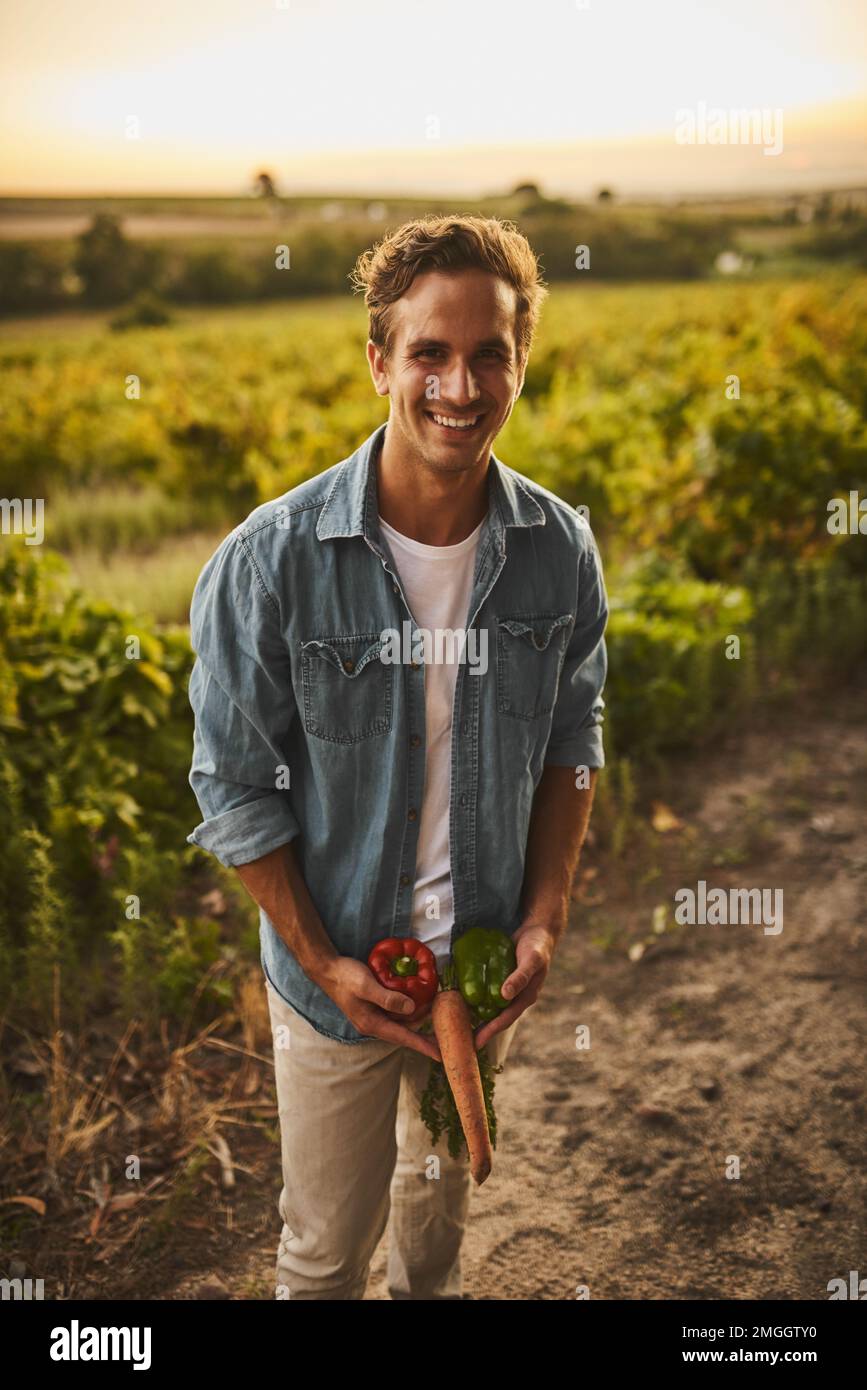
x,y
361,797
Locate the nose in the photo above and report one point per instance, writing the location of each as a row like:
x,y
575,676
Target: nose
x,y
458,385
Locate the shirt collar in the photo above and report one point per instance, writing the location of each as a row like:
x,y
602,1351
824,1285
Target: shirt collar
x,y
351,507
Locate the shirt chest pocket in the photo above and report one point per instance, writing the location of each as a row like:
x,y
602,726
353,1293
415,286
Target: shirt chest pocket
x,y
348,690
530,649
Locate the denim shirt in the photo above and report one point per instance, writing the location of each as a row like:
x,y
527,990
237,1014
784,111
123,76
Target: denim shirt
x,y
303,733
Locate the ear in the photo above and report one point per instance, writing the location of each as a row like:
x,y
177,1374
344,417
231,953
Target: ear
x,y
376,363
522,371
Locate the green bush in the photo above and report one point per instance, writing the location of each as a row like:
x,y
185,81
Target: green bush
x,y
146,310
94,755
670,681
217,275
35,277
110,267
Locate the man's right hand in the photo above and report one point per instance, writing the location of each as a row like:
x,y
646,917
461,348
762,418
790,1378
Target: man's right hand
x,y
373,1009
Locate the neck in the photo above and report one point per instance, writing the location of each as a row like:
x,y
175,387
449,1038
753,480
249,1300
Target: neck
x,y
434,508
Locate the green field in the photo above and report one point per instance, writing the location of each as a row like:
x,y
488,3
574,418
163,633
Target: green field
x,y
708,495
628,408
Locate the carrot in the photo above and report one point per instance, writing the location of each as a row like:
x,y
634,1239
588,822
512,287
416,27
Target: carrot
x,y
454,1034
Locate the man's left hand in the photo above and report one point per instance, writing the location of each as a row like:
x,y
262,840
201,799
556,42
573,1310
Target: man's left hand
x,y
534,948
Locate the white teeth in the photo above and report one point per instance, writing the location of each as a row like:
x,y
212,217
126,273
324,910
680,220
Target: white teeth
x,y
455,424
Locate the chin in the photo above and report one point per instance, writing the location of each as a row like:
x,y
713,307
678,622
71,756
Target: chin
x,y
456,458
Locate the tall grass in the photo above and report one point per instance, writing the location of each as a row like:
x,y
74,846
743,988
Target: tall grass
x,y
104,520
158,585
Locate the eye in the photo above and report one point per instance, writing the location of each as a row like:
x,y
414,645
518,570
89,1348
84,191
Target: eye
x,y
490,352
429,352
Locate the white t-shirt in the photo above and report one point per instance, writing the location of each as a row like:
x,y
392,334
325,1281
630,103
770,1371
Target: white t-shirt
x,y
438,583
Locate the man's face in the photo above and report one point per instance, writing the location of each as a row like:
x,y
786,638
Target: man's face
x,y
452,373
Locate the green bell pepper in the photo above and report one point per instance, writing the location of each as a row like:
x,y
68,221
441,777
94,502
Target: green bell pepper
x,y
484,958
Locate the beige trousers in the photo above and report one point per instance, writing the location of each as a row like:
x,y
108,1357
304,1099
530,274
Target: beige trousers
x,y
355,1150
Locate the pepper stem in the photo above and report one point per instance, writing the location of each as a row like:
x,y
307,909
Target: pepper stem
x,y
404,966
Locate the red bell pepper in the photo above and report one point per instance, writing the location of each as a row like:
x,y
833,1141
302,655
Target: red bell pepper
x,y
407,965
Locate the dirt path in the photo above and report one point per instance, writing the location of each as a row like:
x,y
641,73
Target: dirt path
x,y
715,1042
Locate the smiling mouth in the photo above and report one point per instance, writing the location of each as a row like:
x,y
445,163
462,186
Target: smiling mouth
x,y
456,424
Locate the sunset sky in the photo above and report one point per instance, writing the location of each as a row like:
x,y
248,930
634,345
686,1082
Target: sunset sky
x,y
394,95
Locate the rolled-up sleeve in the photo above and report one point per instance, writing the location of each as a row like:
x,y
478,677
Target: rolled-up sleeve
x,y
576,729
243,702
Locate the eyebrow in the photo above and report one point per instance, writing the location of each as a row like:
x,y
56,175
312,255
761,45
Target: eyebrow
x,y
418,343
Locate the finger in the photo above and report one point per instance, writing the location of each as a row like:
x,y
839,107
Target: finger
x,y
418,1018
500,1023
487,1031
518,980
505,1019
429,1048
392,1000
528,969
394,1032
422,1010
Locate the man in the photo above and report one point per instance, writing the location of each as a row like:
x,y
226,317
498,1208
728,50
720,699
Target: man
x,y
367,787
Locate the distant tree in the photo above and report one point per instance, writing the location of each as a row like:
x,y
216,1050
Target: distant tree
x,y
216,274
824,208
555,207
34,276
604,196
146,310
106,261
526,190
265,186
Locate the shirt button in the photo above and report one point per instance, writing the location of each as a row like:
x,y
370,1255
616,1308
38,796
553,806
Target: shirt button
x,y
463,798
539,640
412,813
416,665
404,880
414,741
349,665
465,727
